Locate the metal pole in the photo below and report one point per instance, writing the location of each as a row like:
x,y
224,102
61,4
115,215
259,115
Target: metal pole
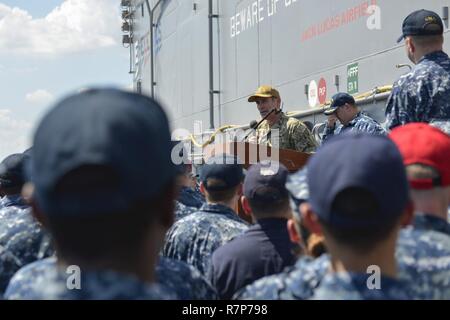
x,y
152,55
211,64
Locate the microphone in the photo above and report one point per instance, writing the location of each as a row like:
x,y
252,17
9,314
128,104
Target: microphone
x,y
254,125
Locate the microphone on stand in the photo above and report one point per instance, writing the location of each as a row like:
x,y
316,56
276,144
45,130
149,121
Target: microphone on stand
x,y
254,125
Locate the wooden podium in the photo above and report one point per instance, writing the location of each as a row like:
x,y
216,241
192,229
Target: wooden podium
x,y
251,153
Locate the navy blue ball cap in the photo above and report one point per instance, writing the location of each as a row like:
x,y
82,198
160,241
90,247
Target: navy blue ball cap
x,y
122,132
369,162
226,170
266,176
338,100
12,170
422,23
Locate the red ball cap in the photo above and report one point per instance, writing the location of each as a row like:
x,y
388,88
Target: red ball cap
x,y
420,143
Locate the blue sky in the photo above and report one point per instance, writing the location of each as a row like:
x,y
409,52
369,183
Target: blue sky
x,y
48,49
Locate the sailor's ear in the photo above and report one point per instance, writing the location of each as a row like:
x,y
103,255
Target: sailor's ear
x,y
246,206
310,219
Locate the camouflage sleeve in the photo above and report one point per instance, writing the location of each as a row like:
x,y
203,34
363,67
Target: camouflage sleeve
x,y
258,290
408,103
328,132
371,128
301,138
396,109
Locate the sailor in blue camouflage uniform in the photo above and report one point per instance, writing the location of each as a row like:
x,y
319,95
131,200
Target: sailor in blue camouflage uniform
x,y
22,238
104,186
425,250
265,198
188,195
187,201
12,178
179,277
191,197
423,94
422,257
359,199
329,277
343,108
426,154
182,211
46,280
296,282
194,238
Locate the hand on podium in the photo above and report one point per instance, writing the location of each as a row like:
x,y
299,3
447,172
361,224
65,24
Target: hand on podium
x,y
252,139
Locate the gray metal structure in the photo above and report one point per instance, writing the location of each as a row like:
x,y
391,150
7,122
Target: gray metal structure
x,y
218,55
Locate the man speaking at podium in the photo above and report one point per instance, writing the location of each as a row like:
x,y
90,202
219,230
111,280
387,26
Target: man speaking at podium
x,y
292,133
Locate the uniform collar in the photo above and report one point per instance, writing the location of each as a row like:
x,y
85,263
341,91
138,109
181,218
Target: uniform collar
x,y
269,223
434,56
354,120
217,208
13,200
277,124
424,221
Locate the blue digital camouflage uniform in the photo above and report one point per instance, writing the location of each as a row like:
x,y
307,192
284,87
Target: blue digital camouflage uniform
x,y
361,123
422,95
177,277
22,240
43,280
423,259
184,279
13,201
354,286
182,211
190,197
442,125
194,238
415,248
295,283
428,222
297,185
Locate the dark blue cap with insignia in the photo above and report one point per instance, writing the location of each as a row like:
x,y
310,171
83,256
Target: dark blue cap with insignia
x,y
422,23
12,170
122,133
266,181
338,100
226,170
368,162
